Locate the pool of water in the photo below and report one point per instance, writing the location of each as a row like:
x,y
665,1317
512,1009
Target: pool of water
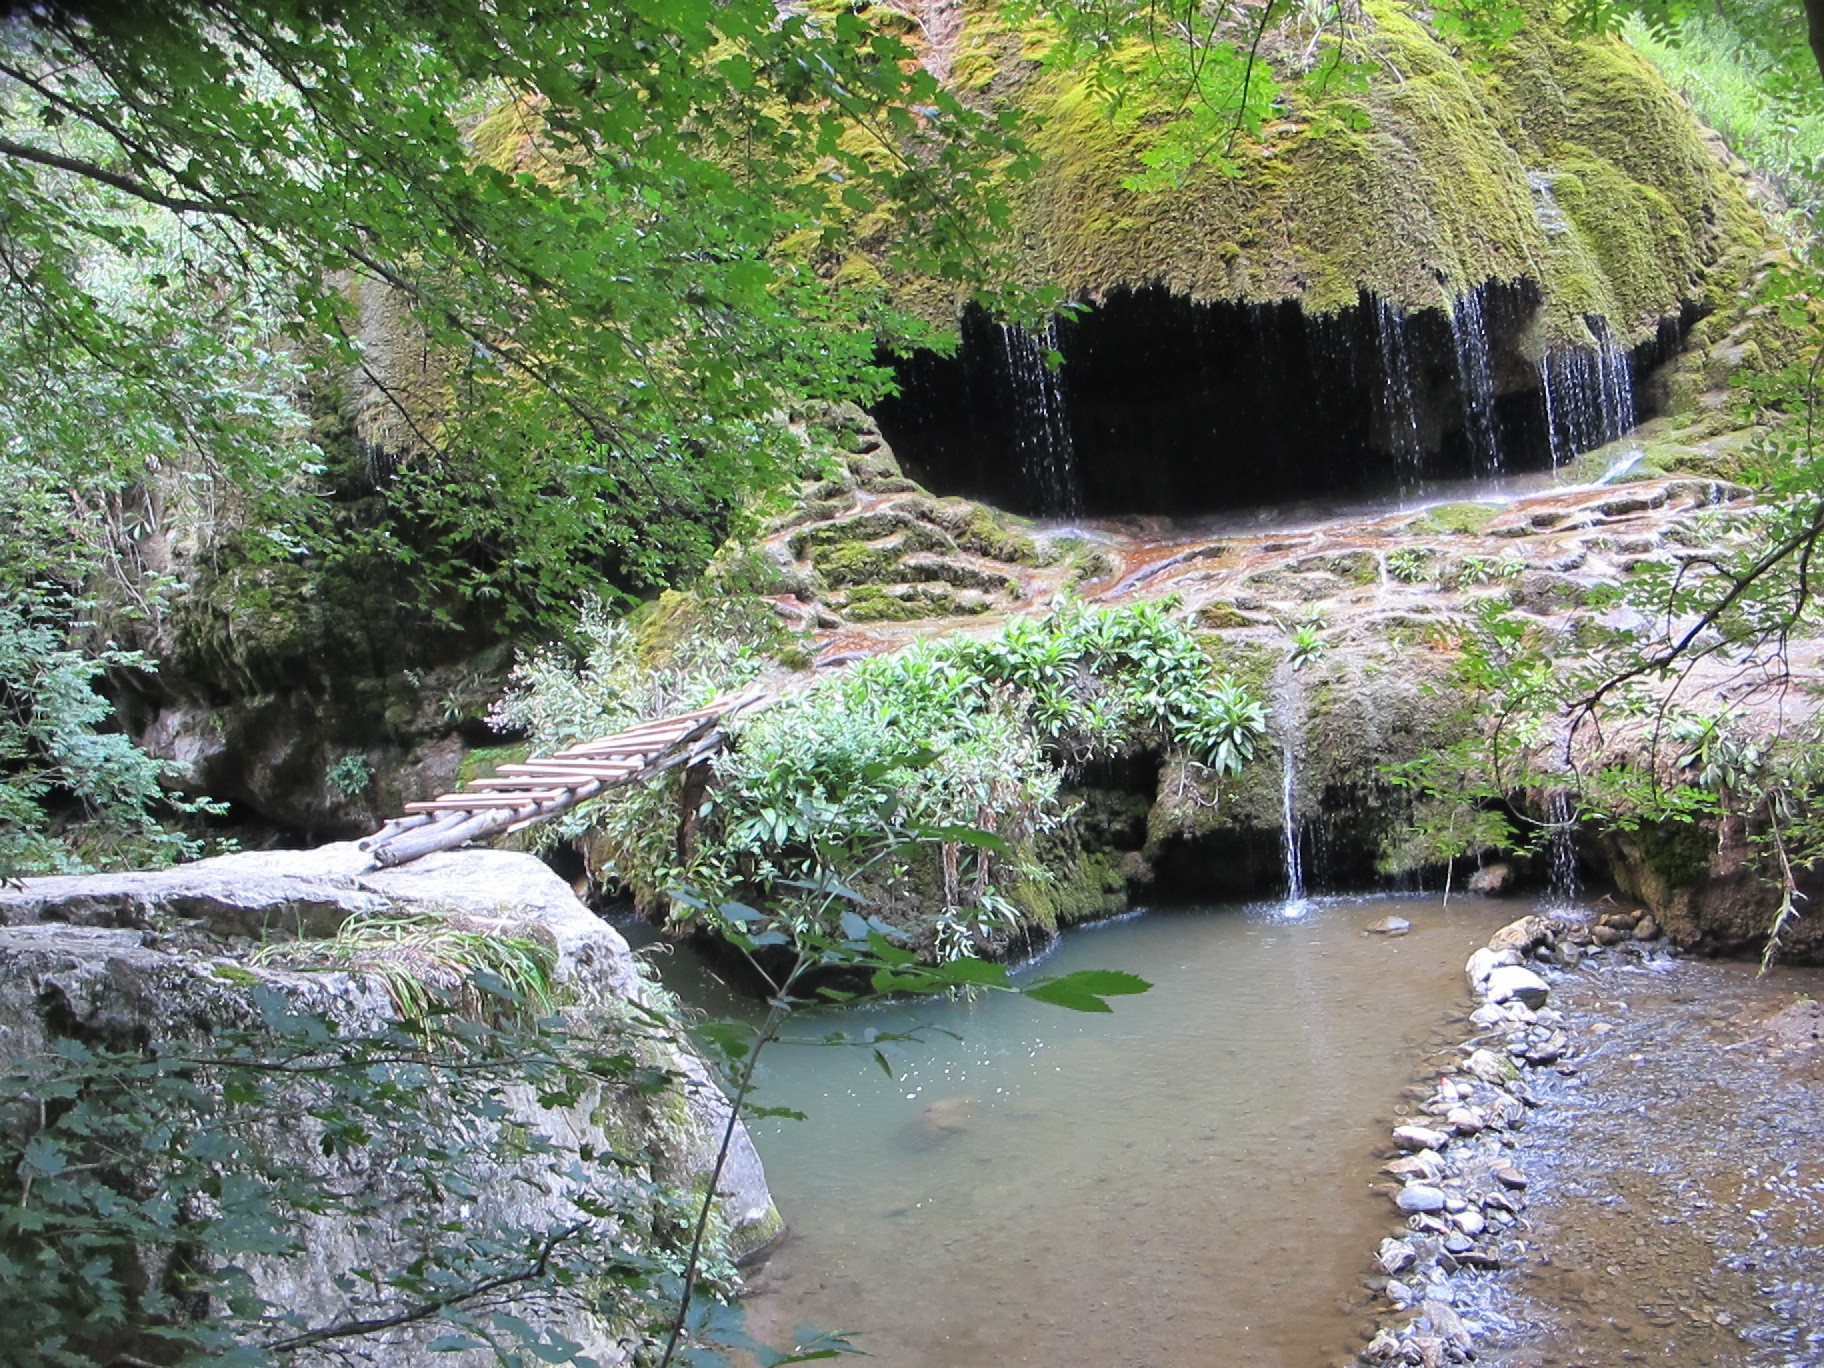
x,y
1182,1181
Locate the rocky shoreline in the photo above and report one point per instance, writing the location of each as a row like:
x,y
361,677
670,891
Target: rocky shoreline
x,y
1458,1168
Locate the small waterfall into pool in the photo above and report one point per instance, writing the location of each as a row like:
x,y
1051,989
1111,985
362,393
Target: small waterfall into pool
x,y
1289,833
1475,376
1588,394
1046,453
1288,722
1562,884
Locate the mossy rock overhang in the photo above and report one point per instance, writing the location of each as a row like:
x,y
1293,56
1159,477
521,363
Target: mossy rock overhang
x,y
1558,160
1481,273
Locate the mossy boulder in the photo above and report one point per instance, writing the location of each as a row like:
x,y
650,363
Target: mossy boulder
x,y
1464,518
316,698
1364,705
1561,161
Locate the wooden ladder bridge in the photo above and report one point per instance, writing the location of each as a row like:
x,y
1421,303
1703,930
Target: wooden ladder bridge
x,y
519,795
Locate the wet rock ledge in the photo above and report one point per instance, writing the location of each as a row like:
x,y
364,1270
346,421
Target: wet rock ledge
x,y
1460,1181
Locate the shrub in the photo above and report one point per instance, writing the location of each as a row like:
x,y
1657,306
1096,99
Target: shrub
x,y
73,794
146,1192
950,734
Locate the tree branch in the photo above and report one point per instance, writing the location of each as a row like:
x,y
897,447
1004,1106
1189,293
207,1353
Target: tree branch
x,y
356,1329
127,185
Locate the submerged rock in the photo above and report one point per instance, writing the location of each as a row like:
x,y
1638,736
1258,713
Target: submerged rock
x,y
1489,1067
1395,1256
1419,1138
1492,879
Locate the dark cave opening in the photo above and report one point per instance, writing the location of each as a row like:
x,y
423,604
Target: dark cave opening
x,y
1165,406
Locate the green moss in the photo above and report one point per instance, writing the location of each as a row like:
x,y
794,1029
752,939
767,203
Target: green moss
x,y
872,527
872,603
487,760
1358,568
1223,617
1439,191
1462,518
980,530
1732,456
1675,856
1079,886
679,620
856,563
1086,566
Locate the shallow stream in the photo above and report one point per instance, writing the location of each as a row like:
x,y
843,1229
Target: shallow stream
x,y
1182,1181
1678,1202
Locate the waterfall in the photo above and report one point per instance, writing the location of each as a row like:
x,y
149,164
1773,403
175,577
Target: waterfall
x,y
1561,851
1396,381
1041,420
1588,394
1287,716
1289,834
1476,379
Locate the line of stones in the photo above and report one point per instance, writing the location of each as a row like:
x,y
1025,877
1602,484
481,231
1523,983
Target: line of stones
x,y
1458,1185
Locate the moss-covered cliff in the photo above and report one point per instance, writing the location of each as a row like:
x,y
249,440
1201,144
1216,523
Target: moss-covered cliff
x,y
1562,161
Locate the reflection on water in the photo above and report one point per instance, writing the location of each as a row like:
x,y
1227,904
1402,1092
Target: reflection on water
x,y
1183,1181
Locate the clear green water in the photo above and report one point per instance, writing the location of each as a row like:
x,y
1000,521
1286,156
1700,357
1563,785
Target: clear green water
x,y
1184,1181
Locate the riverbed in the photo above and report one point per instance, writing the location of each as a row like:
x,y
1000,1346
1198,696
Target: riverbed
x,y
1184,1180
1678,1199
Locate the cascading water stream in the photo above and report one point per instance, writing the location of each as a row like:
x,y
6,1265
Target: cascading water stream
x,y
1561,886
1401,410
1588,395
1289,834
1288,716
1047,456
1475,376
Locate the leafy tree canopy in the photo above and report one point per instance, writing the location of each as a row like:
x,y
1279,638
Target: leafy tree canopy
x,y
615,227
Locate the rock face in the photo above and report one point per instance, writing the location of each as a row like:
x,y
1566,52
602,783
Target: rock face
x,y
314,701
163,956
1707,892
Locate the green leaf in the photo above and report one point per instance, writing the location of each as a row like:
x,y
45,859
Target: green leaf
x,y
970,836
1085,990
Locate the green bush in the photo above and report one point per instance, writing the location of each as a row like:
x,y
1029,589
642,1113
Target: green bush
x,y
73,794
144,1190
1762,100
951,734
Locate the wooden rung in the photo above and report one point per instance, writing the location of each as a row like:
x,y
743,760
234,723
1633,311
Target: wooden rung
x,y
682,726
459,803
624,745
644,730
533,768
